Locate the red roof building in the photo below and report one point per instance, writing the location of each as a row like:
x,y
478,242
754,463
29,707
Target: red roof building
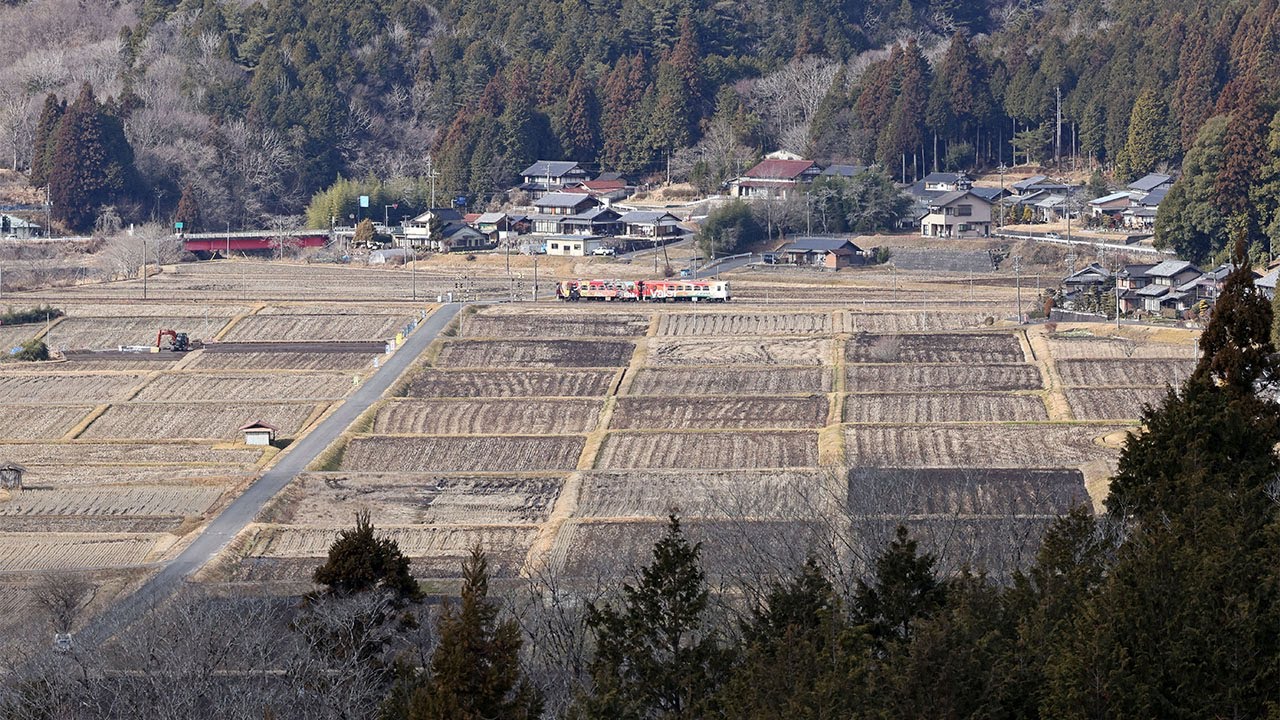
x,y
775,178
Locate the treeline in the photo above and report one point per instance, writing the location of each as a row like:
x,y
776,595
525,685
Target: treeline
x,y
1167,605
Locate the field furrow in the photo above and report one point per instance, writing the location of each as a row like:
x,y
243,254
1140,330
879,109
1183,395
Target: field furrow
x,y
731,381
502,323
462,454
896,378
101,501
1124,373
936,407
266,387
535,353
744,324
487,417
719,413
66,388
995,446
136,421
709,450
510,383
970,349
1116,403
39,422
738,351
315,328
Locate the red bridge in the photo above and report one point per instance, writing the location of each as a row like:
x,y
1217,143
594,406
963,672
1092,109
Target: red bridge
x,y
209,244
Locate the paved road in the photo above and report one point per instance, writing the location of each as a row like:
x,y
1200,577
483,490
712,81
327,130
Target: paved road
x,y
724,265
246,507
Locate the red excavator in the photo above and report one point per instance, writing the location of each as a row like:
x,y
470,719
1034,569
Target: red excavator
x,y
178,342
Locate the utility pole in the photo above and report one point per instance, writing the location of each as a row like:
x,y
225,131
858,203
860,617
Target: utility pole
x,y
1057,138
431,174
144,268
1017,271
535,277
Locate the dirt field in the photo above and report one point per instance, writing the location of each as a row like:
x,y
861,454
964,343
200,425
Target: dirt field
x,y
710,450
100,333
1115,403
745,324
997,446
535,353
182,387
918,321
510,383
970,349
462,454
897,378
1124,373
777,494
491,417
942,408
127,501
136,421
283,361
72,551
719,413
770,351
554,324
52,387
313,327
731,381
39,422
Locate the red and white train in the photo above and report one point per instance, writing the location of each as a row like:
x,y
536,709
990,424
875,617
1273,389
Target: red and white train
x,y
644,290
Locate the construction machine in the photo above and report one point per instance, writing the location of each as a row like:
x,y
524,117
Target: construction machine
x,y
178,342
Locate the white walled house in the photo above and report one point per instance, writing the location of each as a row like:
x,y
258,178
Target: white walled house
x,y
957,214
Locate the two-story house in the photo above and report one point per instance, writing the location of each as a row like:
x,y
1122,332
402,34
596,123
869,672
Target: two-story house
x,y
957,214
546,176
553,208
775,178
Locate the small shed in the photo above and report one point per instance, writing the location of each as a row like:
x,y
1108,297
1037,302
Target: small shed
x,y
259,433
11,476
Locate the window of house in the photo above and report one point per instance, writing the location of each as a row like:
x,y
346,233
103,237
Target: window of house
x,y
964,227
555,246
964,210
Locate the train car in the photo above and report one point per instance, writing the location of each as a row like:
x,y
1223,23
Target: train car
x,y
686,290
606,290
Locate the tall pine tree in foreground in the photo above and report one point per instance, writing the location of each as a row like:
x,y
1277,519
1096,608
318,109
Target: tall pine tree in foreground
x,y
91,163
657,656
360,561
1187,622
475,672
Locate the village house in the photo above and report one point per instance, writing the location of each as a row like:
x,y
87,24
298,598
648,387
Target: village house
x,y
598,221
938,183
775,178
548,176
13,227
650,224
832,253
1149,183
1110,205
420,229
957,214
573,246
553,208
843,171
1165,290
1130,279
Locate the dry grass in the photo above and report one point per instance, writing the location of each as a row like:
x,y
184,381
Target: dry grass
x,y
973,348
233,387
12,336
1124,373
916,321
731,381
996,446
491,417
137,421
286,541
90,453
105,501
535,353
95,476
709,450
1112,403
868,378
315,328
510,383
744,324
39,422
936,408
719,413
716,352
1066,347
956,492
462,454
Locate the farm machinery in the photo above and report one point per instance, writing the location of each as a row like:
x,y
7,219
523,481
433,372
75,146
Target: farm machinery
x,y
178,342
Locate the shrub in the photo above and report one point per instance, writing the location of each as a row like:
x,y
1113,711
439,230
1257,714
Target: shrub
x,y
30,315
32,351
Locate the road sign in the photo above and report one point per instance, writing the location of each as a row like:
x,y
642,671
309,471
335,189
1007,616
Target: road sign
x,y
178,225
364,201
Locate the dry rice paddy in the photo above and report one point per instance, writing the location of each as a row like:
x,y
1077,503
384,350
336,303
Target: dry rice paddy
x,y
243,387
554,324
487,417
105,501
510,383
997,446
970,349
1124,373
39,422
462,454
314,328
72,551
710,450
100,333
535,353
723,351
942,408
898,378
719,413
283,361
731,381
1116,403
137,421
66,388
744,324
777,494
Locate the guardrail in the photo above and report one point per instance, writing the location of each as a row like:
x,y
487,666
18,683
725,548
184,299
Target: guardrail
x,y
1064,241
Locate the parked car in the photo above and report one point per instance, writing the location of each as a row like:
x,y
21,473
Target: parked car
x,y
605,251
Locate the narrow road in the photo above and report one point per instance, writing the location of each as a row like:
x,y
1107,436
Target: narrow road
x,y
246,507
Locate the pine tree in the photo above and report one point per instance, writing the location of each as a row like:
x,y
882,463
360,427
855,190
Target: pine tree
x,y
1189,221
903,589
44,142
1244,155
657,655
1198,83
475,672
679,93
360,561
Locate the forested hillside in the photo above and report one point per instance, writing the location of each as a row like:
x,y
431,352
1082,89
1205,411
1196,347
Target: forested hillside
x,y
259,105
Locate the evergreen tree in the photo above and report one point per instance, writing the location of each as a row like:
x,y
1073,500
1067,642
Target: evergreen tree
x,y
1151,142
728,229
657,656
363,235
92,163
43,145
1198,83
679,93
578,127
903,137
801,629
475,672
188,212
903,589
1244,155
1189,221
360,561
873,203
